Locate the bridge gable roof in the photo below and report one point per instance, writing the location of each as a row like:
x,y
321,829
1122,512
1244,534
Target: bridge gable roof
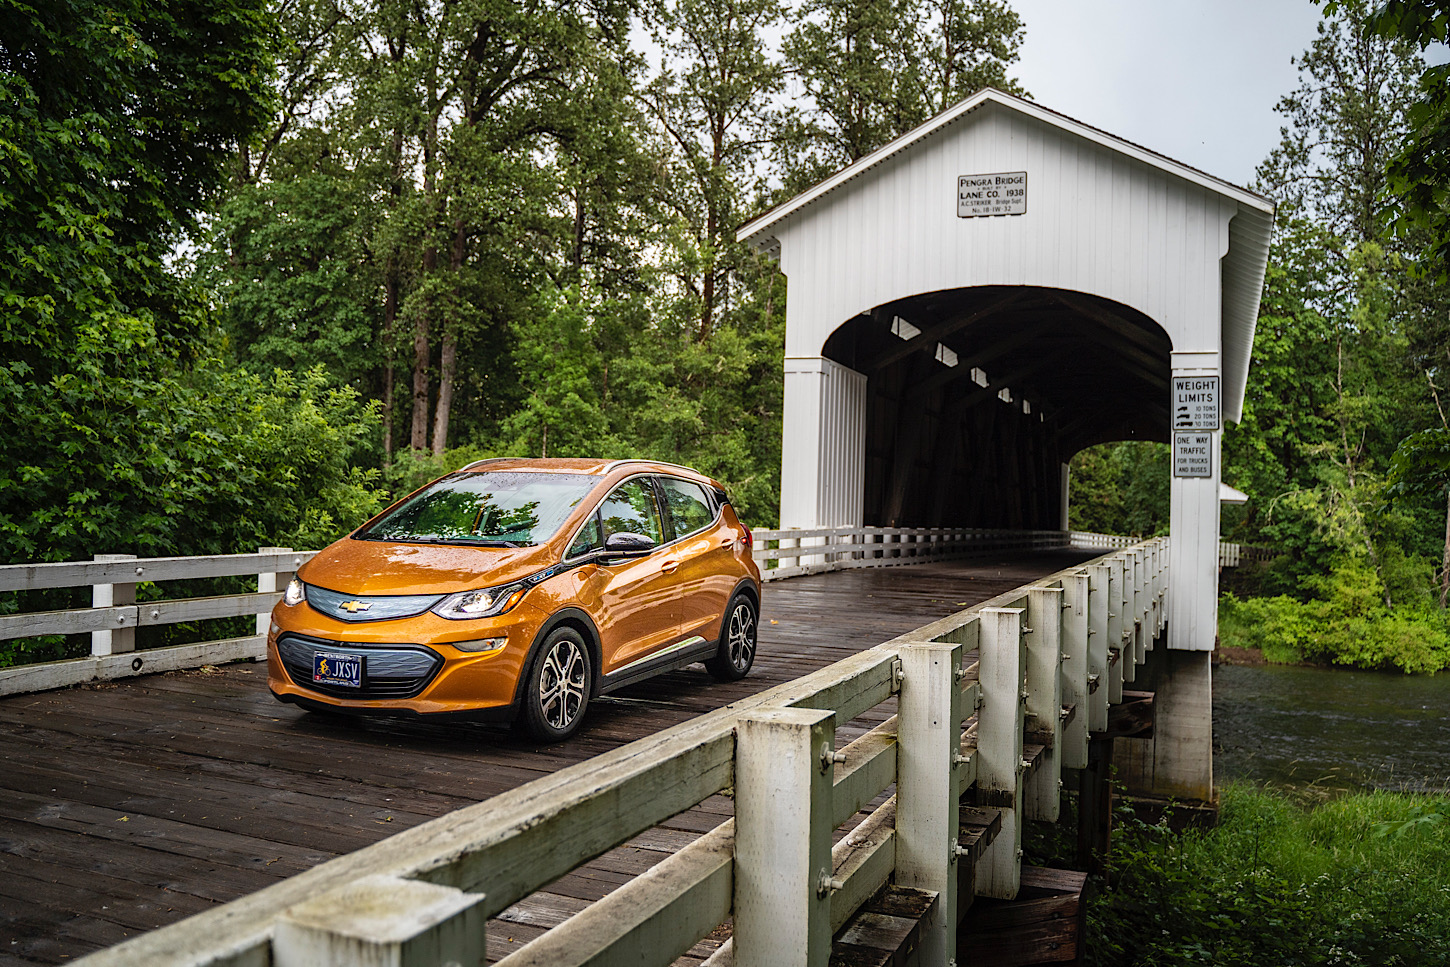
x,y
1203,284
759,225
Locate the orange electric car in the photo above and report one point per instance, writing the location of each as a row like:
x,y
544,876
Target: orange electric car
x,y
519,589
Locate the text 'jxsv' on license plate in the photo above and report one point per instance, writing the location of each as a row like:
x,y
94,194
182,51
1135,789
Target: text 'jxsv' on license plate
x,y
332,669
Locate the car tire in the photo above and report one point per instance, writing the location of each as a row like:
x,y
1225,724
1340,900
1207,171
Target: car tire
x,y
556,690
738,630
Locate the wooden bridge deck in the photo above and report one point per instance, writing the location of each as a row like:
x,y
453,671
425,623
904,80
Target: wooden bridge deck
x,y
127,806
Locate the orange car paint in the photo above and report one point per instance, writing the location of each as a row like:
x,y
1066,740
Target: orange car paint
x,y
638,605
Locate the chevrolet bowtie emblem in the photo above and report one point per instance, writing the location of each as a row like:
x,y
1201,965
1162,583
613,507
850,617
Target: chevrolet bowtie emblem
x,y
353,607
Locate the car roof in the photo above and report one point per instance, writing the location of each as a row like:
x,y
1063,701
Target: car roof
x,y
585,465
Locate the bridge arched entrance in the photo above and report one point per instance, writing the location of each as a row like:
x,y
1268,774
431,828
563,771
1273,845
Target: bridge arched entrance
x,y
977,397
993,291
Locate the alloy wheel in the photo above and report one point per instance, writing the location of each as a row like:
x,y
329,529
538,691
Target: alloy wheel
x,y
562,681
741,636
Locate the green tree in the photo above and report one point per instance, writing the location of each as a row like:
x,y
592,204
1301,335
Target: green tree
x,y
1342,124
1120,488
1419,175
1333,383
874,70
713,102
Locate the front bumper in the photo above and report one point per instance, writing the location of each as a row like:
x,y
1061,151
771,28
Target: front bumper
x,y
409,664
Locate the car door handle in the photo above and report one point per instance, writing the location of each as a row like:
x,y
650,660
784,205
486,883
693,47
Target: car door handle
x,y
669,567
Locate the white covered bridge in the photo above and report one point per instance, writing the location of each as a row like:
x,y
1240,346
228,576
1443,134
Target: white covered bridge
x,y
989,294
942,366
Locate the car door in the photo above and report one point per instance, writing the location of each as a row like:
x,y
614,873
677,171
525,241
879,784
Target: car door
x,y
705,552
635,608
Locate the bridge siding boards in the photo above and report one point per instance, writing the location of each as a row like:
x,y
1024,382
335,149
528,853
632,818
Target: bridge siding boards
x,y
129,805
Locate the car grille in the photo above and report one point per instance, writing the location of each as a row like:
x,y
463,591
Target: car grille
x,y
352,607
389,671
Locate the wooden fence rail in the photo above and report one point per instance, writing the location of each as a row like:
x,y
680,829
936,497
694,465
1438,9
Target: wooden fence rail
x,y
992,703
115,614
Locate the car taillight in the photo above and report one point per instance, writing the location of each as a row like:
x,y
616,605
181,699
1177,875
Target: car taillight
x,y
749,538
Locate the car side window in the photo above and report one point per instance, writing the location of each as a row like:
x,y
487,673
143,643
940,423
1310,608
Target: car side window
x,y
631,508
588,539
687,505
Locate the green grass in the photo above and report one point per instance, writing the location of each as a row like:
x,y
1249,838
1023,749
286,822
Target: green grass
x,y
1364,879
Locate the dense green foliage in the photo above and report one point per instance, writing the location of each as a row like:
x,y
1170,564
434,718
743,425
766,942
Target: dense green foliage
x,y
1364,879
121,435
1120,488
1420,172
1346,623
513,226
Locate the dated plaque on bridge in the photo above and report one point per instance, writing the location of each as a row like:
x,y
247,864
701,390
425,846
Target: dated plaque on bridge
x,y
1000,193
1193,454
1195,403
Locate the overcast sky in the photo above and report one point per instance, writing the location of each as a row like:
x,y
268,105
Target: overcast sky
x,y
1195,80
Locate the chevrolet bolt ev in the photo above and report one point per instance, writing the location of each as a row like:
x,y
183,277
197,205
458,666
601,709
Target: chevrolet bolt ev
x,y
517,590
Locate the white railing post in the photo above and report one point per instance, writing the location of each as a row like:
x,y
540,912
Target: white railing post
x,y
1162,584
1043,795
382,921
1119,672
1138,596
270,581
121,639
927,803
1100,671
783,873
1002,656
1075,669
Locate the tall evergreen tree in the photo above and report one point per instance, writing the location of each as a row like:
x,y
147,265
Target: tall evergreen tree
x,y
1333,386
713,101
872,70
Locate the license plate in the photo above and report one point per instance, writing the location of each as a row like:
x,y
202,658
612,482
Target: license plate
x,y
332,669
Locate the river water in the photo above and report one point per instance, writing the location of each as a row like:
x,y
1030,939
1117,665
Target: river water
x,y
1320,731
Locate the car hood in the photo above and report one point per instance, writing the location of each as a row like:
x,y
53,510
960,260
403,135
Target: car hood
x,y
382,567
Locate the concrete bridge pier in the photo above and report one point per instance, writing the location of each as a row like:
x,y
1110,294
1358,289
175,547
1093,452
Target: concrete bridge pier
x,y
1176,761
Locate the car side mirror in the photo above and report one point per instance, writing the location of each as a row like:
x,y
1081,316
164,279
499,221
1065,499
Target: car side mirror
x,y
626,544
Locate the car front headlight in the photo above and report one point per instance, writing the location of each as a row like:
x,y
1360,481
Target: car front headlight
x,y
294,594
483,603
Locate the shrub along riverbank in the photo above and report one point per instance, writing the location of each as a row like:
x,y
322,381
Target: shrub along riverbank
x,y
1347,623
1364,879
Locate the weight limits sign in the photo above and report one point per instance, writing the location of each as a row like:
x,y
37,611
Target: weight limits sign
x,y
1195,403
1001,193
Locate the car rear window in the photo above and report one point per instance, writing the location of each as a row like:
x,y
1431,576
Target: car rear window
x,y
503,509
688,506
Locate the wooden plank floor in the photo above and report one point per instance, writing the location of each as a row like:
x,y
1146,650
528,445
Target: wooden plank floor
x,y
127,806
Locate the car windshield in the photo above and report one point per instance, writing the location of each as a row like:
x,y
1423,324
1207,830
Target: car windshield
x,y
502,509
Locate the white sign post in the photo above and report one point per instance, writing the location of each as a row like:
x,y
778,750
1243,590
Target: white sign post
x,y
1002,193
1195,402
1193,454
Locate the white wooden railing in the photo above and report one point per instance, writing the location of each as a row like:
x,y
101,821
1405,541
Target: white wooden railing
x,y
1045,660
115,615
797,551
